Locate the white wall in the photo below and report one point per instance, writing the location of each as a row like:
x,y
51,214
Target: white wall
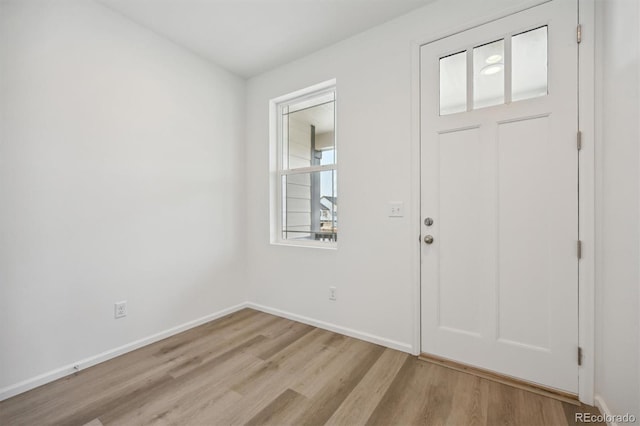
x,y
618,232
121,177
374,268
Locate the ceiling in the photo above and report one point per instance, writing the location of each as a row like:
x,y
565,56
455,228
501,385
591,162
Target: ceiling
x,y
248,37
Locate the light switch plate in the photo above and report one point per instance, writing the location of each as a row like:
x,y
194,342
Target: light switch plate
x,y
396,209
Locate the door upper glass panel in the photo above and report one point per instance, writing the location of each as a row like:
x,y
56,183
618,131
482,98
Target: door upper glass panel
x,y
488,74
453,83
529,64
483,80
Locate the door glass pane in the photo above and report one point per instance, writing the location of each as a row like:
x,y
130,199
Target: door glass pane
x,y
488,74
310,206
308,129
453,83
529,64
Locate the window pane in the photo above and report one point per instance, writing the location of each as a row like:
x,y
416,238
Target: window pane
x,y
310,206
488,74
311,102
327,156
308,133
453,83
529,64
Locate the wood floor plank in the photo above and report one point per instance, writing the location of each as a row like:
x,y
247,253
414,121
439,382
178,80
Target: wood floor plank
x,y
122,403
293,359
440,391
336,340
277,413
86,388
327,400
255,368
288,336
216,356
198,388
502,405
282,326
398,405
336,363
213,328
364,398
203,394
205,412
276,375
207,347
191,384
211,345
470,401
531,406
196,406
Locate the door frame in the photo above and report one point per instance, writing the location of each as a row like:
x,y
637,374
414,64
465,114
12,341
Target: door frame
x,y
586,180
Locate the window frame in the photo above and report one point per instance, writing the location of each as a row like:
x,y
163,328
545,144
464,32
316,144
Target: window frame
x,y
277,170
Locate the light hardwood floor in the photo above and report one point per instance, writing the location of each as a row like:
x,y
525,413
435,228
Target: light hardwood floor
x,y
257,369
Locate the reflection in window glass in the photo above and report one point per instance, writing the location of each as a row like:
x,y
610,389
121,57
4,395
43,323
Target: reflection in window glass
x,y
453,83
529,64
310,207
308,129
488,74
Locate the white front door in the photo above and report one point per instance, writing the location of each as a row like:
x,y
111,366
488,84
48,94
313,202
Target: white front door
x,y
499,164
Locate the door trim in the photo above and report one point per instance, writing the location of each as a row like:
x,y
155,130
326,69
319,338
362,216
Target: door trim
x,y
586,203
586,179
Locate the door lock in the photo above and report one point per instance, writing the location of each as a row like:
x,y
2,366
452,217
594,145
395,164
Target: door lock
x,y
428,222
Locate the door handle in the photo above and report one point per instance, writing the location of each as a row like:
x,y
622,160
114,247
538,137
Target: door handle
x,y
428,239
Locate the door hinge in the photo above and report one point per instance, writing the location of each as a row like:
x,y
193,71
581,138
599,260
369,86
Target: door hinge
x,y
579,140
579,249
579,355
579,33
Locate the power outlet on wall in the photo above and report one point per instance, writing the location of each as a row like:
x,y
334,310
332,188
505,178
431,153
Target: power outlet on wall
x,y
121,309
332,293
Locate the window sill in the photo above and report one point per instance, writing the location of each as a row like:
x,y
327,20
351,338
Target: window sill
x,y
307,244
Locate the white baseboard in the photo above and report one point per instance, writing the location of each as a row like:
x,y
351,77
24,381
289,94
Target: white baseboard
x,y
403,347
604,409
66,370
58,373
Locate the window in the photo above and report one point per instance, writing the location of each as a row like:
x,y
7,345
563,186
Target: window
x,y
529,64
522,57
304,196
488,75
453,83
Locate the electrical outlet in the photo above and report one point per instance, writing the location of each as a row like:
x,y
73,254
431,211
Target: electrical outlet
x,y
121,309
332,293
